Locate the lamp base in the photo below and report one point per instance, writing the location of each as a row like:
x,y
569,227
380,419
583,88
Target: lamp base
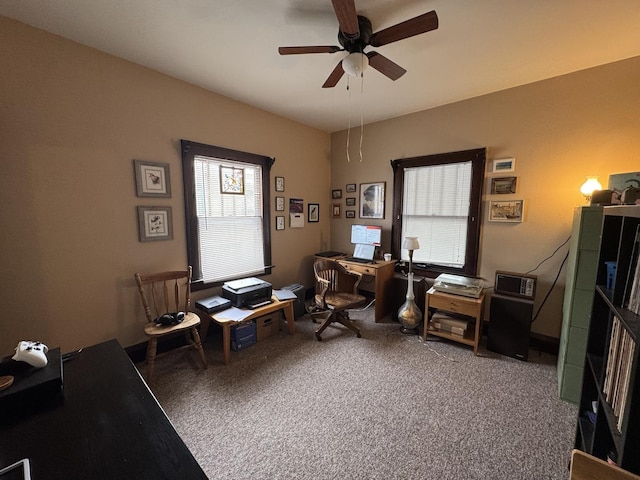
x,y
409,314
410,331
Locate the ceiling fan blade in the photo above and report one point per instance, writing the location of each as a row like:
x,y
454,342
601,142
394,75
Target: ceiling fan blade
x,y
415,26
335,76
347,17
311,49
385,66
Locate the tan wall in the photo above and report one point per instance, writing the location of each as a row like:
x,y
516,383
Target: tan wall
x,y
72,120
559,131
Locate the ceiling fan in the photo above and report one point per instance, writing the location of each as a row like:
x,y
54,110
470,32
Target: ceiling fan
x,y
355,34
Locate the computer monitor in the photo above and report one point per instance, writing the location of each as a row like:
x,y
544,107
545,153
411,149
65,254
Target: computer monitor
x,y
366,234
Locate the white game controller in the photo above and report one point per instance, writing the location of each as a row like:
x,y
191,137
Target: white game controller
x,y
34,353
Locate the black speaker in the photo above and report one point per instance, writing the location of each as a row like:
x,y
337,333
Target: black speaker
x,y
510,326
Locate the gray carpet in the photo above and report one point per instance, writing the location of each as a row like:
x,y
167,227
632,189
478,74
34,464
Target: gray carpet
x,y
385,406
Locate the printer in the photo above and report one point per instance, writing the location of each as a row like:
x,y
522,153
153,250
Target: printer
x,y
247,292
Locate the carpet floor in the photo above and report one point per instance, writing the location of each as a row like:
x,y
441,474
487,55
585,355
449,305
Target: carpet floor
x,y
384,406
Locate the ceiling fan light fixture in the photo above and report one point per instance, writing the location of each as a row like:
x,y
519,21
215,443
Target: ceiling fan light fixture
x,y
355,63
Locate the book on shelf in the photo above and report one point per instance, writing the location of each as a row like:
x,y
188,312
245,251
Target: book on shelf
x,y
618,369
445,323
632,285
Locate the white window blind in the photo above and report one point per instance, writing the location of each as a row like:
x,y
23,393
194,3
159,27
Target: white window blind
x,y
229,225
436,201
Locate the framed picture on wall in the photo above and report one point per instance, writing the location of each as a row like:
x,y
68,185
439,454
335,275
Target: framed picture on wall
x,y
372,200
503,185
279,184
314,212
336,193
152,179
504,165
506,211
350,213
279,204
279,223
154,223
351,201
351,188
335,210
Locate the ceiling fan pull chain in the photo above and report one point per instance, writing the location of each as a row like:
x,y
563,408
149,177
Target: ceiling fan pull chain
x,y
349,121
361,113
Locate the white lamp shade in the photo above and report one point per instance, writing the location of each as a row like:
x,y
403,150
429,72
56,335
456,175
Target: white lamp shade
x,y
590,185
355,63
411,243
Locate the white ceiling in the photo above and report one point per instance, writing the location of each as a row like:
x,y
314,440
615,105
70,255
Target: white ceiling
x,y
231,47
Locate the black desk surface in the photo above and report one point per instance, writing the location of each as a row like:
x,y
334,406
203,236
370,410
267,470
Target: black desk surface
x,y
105,424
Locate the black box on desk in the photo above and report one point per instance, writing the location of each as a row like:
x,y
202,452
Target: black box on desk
x,y
243,335
298,304
31,384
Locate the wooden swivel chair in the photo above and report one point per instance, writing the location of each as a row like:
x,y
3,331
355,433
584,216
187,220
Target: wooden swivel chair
x,y
169,292
336,292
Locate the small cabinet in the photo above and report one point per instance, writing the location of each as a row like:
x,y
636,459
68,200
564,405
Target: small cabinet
x,y
582,266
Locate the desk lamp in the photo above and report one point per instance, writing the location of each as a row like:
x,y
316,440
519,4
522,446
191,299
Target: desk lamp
x,y
409,314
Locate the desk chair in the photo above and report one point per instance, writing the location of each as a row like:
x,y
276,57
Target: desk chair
x,y
336,292
588,467
170,292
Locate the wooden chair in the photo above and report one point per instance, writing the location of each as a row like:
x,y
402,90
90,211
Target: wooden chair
x,y
169,292
336,292
588,467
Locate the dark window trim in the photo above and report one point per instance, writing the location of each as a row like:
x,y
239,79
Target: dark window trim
x,y
189,151
478,160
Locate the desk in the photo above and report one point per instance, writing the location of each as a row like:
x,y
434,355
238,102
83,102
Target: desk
x,y
286,306
105,424
383,273
447,302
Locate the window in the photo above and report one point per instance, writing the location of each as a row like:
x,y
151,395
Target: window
x,y
437,198
227,213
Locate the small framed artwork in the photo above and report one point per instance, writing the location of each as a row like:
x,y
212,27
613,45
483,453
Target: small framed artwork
x,y
336,193
279,204
314,212
351,201
279,184
232,180
152,179
504,165
154,223
350,213
502,185
351,188
335,210
372,200
279,223
506,211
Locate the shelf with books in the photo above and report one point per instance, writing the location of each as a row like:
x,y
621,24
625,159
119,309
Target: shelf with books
x,y
609,414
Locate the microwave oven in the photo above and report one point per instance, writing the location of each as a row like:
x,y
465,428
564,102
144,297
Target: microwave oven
x,y
515,284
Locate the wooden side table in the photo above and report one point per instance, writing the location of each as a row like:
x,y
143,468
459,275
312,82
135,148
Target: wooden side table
x,y
447,302
219,317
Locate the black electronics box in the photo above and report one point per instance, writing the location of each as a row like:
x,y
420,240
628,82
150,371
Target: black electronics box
x,y
298,304
510,326
213,304
31,384
245,296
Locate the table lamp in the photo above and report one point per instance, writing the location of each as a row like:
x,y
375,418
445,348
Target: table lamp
x,y
409,314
